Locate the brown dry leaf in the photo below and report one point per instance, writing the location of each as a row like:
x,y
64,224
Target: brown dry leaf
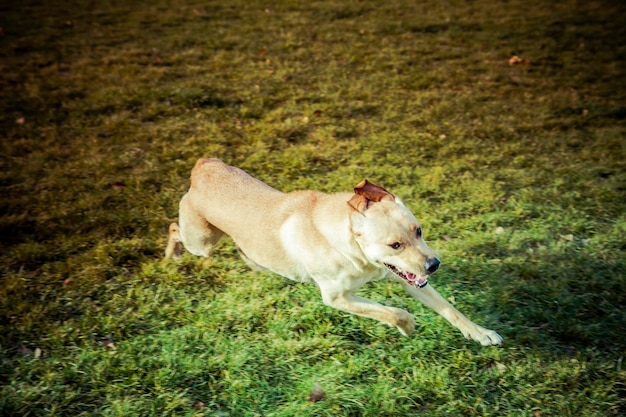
x,y
199,405
494,366
23,350
516,60
317,394
196,12
107,342
261,51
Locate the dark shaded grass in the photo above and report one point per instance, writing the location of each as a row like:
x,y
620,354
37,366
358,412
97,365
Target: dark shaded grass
x,y
106,106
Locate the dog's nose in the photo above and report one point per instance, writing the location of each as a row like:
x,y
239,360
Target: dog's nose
x,y
431,265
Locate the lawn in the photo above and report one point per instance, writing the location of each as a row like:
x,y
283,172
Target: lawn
x,y
501,124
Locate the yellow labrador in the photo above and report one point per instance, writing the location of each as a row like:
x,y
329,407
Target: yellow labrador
x,y
340,241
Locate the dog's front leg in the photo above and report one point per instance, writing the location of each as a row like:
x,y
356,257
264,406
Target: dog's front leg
x,y
363,307
431,298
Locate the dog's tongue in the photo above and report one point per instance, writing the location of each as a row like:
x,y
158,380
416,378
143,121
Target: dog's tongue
x,y
417,281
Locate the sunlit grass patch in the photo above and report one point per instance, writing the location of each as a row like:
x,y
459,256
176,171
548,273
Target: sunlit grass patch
x,y
514,168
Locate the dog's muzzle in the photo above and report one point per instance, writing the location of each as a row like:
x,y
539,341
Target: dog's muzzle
x,y
420,281
415,280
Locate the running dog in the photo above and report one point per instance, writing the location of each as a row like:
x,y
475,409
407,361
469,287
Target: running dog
x,y
340,241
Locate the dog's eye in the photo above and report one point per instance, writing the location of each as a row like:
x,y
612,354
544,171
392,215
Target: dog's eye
x,y
395,245
418,232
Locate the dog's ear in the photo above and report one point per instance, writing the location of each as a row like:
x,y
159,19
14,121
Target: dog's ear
x,y
365,193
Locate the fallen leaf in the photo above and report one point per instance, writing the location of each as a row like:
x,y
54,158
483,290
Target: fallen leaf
x,y
199,405
107,342
494,366
196,12
23,350
317,394
20,121
261,51
516,60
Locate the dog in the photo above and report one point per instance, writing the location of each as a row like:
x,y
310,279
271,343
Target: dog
x,y
339,241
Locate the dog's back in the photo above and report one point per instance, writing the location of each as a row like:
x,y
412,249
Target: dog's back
x,y
248,210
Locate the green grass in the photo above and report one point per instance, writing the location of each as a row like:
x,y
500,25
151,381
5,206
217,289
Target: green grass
x,y
517,173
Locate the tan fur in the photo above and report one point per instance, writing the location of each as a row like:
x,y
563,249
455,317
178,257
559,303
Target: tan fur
x,y
340,241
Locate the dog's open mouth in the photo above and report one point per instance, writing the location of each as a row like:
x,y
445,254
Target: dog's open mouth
x,y
409,277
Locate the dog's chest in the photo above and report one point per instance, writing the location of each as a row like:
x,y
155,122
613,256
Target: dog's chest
x,y
314,255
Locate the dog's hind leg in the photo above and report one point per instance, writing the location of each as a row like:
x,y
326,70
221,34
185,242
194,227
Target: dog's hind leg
x,y
174,243
193,231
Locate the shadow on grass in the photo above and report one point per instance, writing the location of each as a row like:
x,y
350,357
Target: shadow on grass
x,y
563,300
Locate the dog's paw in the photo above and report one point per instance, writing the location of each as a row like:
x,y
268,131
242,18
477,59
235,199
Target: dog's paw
x,y
483,336
405,322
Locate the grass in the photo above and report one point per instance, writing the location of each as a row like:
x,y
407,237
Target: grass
x,y
517,173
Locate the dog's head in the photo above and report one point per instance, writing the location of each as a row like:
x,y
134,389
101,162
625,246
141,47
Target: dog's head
x,y
389,235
